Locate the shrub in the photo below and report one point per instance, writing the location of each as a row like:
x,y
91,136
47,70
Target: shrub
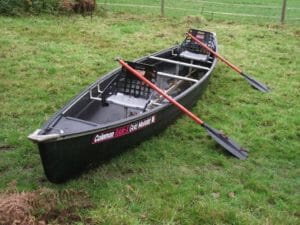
x,y
18,7
78,6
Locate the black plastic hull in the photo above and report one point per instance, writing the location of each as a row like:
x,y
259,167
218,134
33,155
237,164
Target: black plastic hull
x,y
68,158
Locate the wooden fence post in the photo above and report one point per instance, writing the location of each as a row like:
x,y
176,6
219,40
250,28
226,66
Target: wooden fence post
x,y
162,8
283,11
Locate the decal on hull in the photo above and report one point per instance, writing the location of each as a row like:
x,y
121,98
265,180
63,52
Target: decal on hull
x,y
123,130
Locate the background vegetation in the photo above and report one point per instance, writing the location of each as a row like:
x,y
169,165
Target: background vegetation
x,y
20,7
180,176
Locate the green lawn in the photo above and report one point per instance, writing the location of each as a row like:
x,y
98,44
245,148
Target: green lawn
x,y
180,176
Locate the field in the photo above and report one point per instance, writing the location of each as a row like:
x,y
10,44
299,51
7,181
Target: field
x,y
233,10
181,176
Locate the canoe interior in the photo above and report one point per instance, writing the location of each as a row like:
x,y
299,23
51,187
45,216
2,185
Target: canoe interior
x,y
88,111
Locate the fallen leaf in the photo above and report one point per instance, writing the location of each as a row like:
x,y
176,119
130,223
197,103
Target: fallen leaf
x,y
216,194
231,194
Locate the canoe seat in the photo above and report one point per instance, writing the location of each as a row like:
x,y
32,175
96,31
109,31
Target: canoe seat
x,y
127,101
127,90
189,49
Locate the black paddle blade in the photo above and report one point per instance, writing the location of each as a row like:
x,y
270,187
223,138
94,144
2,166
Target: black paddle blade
x,y
226,142
256,84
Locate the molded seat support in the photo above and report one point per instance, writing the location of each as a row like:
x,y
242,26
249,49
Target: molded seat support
x,y
127,101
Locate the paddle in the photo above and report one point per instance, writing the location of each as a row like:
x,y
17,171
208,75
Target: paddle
x,y
223,140
254,83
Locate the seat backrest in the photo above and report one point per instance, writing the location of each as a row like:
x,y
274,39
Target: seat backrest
x,y
190,45
128,84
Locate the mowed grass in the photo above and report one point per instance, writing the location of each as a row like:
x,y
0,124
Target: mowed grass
x,y
180,176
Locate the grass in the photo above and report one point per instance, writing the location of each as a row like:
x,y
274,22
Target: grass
x,y
233,10
180,176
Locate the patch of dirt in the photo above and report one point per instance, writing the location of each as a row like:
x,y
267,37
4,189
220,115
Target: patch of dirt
x,y
194,19
42,207
5,148
297,33
160,35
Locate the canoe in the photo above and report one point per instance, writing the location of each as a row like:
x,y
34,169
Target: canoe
x,y
118,111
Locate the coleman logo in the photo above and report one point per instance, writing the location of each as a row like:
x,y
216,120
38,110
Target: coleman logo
x,y
104,136
124,130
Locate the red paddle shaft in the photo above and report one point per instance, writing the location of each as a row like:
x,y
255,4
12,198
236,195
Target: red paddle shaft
x,y
215,53
161,92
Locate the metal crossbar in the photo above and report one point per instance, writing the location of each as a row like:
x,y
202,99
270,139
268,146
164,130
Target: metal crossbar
x,y
176,77
180,63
